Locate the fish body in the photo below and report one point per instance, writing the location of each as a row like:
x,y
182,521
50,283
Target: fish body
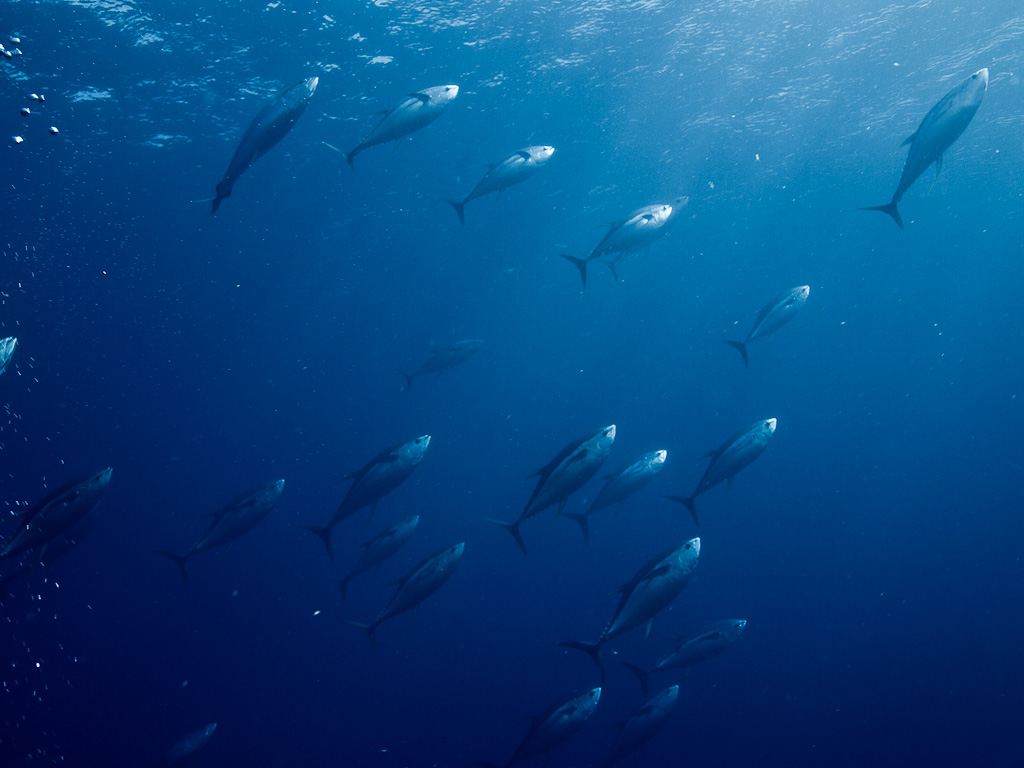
x,y
773,315
515,168
410,114
185,751
423,581
641,726
569,471
938,130
652,589
442,359
734,454
637,231
715,639
266,129
380,548
554,727
57,512
48,553
7,347
622,485
385,472
238,516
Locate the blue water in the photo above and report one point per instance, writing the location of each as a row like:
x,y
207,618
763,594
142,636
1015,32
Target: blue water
x,y
874,549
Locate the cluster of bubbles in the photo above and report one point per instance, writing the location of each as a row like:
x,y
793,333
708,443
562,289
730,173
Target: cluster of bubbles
x,y
26,111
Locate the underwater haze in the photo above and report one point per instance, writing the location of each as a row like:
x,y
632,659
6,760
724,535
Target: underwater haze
x,y
873,548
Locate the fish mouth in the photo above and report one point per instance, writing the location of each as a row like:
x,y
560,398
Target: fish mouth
x,y
770,423
312,83
983,74
693,544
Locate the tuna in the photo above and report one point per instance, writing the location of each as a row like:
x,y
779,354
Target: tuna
x,y
940,128
410,114
421,582
238,516
380,548
516,168
715,639
270,125
569,471
651,590
622,485
385,472
642,726
773,315
57,512
7,347
554,727
442,359
634,233
734,454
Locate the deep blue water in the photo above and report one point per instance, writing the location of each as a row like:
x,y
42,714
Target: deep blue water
x,y
874,549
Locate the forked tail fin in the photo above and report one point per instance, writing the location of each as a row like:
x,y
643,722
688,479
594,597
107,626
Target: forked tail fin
x,y
350,157
641,675
889,208
325,536
581,265
408,380
741,347
181,560
460,208
342,586
582,520
593,650
512,528
370,630
687,501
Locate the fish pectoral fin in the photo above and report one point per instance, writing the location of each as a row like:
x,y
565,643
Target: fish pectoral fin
x,y
650,626
397,145
420,96
728,483
909,139
415,613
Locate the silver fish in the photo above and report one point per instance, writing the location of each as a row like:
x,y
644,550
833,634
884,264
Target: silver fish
x,y
569,471
712,641
442,359
515,168
653,587
633,233
641,726
553,727
621,486
385,472
380,548
7,347
238,516
266,129
940,128
420,583
773,315
185,751
410,114
734,454
57,512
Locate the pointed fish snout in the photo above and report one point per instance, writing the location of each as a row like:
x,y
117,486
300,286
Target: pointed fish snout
x,y
694,544
660,456
983,75
609,431
312,83
771,424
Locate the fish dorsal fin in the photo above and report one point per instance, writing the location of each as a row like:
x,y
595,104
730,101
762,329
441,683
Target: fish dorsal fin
x,y
712,454
661,570
909,139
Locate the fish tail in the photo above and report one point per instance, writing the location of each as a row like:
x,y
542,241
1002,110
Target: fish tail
x,y
641,675
408,380
512,528
593,650
584,525
350,158
215,205
581,265
460,208
741,347
325,536
343,587
889,208
370,630
181,560
687,501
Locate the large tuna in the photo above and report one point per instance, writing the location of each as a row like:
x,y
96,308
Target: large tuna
x,y
385,472
238,516
7,347
517,167
712,641
57,512
734,454
443,358
266,129
421,582
641,726
653,587
773,315
564,475
380,548
553,727
940,128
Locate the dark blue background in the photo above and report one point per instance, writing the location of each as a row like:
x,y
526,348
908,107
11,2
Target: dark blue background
x,y
874,549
